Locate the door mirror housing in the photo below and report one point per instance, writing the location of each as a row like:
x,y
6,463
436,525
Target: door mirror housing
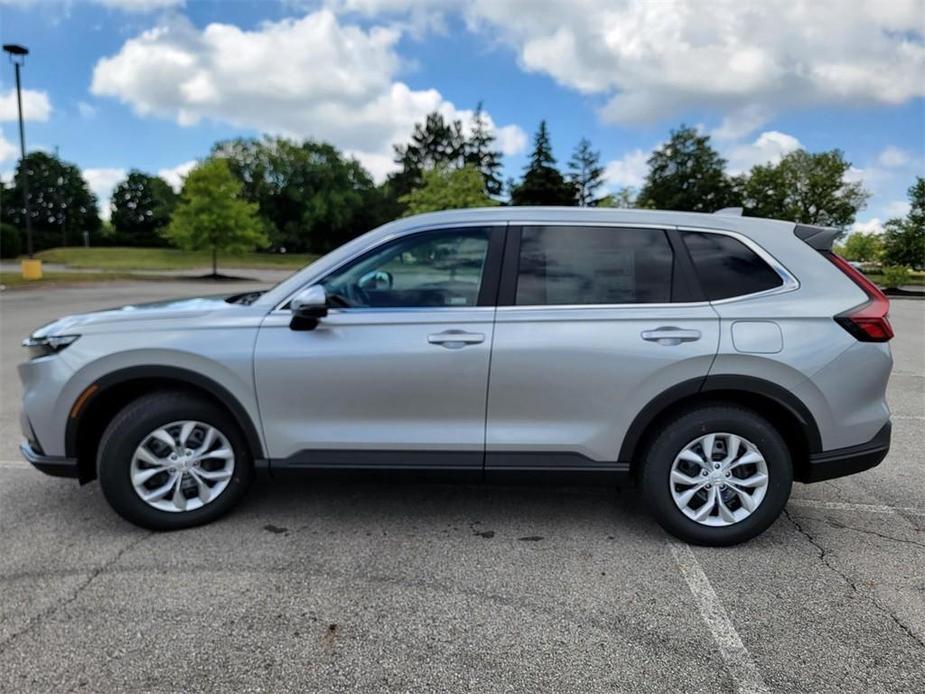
x,y
308,307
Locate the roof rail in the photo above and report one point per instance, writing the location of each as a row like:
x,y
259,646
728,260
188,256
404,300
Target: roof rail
x,y
730,211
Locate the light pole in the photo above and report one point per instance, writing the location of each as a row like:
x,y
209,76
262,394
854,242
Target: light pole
x,y
18,57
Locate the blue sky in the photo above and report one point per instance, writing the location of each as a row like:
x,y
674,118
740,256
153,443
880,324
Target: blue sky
x,y
151,84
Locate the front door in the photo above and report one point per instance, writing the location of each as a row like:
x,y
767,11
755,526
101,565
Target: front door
x,y
397,373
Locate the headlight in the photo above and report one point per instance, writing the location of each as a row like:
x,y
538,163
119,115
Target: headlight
x,y
47,344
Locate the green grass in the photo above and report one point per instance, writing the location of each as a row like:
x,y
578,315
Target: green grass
x,y
128,259
916,279
15,279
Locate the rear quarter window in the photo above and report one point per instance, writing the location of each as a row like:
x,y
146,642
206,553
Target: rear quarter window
x,y
726,267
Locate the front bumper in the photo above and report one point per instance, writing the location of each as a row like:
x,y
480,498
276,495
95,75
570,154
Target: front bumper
x,y
50,464
847,461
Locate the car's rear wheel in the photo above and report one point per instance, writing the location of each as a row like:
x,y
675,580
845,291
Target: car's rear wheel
x,y
717,475
172,460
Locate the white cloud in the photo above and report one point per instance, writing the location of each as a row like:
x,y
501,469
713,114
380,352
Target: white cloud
x,y
174,176
654,60
897,208
124,5
101,182
86,110
35,105
336,83
141,5
893,157
871,226
629,171
7,149
768,148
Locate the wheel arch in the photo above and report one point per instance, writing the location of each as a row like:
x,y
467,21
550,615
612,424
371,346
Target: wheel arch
x,y
99,402
784,409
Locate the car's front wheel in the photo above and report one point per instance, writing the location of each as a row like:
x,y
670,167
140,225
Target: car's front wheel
x,y
718,475
172,460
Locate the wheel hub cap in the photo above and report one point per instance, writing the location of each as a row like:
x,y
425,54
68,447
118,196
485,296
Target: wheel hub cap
x,y
182,466
718,479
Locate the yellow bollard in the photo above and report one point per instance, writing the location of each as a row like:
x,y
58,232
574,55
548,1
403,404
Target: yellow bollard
x,y
31,269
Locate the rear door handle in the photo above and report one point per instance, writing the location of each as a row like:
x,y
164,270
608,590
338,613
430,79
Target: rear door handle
x,y
669,335
455,339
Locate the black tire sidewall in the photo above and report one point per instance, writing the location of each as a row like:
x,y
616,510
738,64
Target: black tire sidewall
x,y
127,431
693,424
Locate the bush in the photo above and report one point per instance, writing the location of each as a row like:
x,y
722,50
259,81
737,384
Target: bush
x,y
10,241
895,276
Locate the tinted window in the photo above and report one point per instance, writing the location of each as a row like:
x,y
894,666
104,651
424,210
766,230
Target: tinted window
x,y
593,265
439,268
727,267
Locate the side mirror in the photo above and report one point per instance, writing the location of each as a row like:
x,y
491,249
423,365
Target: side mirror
x,y
308,306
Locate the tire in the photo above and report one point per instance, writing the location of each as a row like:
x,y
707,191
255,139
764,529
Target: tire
x,y
224,475
732,521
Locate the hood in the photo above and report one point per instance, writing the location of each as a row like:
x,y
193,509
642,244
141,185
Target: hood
x,y
106,319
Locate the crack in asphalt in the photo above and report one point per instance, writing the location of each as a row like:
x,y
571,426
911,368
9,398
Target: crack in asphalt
x,y
52,609
824,557
843,526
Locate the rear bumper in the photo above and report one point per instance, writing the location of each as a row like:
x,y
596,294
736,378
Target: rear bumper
x,y
847,461
50,464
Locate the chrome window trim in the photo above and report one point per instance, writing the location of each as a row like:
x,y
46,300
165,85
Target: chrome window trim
x,y
789,282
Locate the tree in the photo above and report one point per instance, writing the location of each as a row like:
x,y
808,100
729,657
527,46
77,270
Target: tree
x,y
687,174
211,214
542,183
447,189
312,197
861,247
141,208
904,241
804,188
586,173
478,152
435,143
624,198
62,206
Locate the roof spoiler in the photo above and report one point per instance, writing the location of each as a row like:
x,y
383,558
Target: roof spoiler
x,y
819,238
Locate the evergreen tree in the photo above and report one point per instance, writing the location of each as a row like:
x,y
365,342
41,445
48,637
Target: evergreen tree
x,y
433,144
586,173
480,154
687,174
543,183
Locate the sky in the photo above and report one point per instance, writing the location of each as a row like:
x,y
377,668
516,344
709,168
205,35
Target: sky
x,y
113,85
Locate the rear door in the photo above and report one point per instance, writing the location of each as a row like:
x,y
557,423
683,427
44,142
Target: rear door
x,y
593,323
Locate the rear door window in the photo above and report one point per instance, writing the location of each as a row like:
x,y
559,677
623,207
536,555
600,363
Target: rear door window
x,y
726,267
574,265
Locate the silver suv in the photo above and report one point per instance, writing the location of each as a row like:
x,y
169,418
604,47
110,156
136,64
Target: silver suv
x,y
712,359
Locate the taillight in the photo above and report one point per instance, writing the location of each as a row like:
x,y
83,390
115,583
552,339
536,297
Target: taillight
x,y
868,322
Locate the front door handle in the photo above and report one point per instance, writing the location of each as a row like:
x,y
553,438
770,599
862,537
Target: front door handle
x,y
670,336
455,339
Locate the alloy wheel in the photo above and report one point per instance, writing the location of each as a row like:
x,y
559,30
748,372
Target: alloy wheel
x,y
719,479
182,466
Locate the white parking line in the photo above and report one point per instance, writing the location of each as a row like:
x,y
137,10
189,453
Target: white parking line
x,y
15,464
742,670
864,508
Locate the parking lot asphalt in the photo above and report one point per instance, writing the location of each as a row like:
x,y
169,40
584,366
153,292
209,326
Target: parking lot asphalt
x,y
323,585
